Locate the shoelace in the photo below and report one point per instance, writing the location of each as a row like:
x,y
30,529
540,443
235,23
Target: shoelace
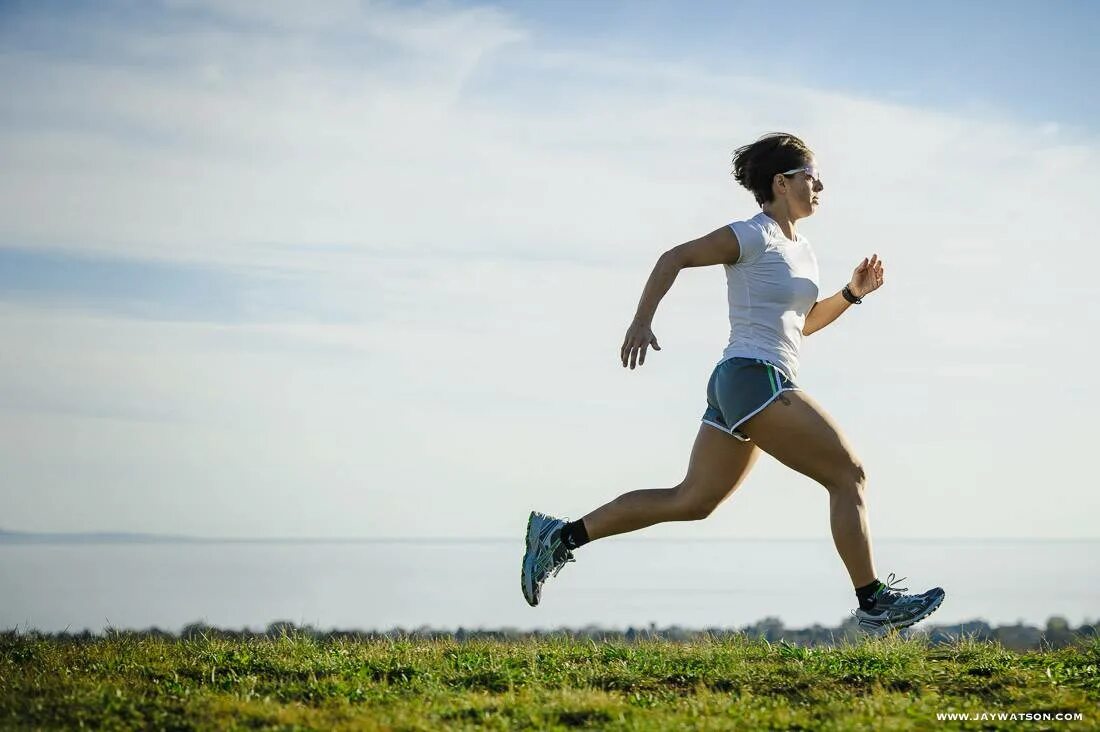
x,y
557,567
891,590
549,560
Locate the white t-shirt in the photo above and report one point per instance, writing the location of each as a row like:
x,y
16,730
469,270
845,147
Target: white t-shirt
x,y
770,289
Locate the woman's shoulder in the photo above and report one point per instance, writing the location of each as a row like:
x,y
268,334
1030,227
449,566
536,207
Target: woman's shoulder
x,y
759,220
752,237
756,226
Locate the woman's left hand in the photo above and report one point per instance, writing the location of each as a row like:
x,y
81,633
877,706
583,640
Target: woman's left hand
x,y
867,277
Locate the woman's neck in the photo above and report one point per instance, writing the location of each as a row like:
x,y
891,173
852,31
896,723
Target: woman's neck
x,y
780,215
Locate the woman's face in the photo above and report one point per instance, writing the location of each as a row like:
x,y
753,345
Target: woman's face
x,y
802,190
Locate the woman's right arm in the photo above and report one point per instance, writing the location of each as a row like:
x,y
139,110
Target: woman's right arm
x,y
718,247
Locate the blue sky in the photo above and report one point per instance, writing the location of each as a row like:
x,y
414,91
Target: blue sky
x,y
1028,59
1032,60
368,265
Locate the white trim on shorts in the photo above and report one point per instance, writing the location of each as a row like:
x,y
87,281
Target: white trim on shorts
x,y
730,431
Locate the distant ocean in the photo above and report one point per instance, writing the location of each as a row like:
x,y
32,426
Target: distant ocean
x,y
615,583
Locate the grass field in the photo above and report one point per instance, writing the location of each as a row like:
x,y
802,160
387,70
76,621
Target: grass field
x,y
295,682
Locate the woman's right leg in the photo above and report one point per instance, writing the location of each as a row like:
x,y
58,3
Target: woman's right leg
x,y
797,432
719,463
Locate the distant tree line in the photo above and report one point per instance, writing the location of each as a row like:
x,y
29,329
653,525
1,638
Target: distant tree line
x,y
1057,633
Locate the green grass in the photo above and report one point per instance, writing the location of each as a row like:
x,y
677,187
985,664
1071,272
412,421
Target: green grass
x,y
128,681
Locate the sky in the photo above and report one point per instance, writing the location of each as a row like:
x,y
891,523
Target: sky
x,y
365,271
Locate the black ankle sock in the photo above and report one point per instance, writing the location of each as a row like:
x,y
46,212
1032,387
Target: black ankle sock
x,y
863,594
574,535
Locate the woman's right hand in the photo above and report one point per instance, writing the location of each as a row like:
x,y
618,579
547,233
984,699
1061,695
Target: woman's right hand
x,y
639,337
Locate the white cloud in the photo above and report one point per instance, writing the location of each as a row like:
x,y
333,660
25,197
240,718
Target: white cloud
x,y
485,210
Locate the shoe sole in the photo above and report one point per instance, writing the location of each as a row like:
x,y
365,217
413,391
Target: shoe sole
x,y
526,571
884,629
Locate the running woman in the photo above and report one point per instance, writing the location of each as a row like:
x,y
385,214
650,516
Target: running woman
x,y
753,401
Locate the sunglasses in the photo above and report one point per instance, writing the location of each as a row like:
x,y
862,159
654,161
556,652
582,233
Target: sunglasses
x,y
811,172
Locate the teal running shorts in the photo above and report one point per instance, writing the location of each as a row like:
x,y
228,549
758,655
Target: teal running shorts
x,y
738,389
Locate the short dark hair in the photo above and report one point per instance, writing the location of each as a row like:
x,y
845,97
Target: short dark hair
x,y
755,164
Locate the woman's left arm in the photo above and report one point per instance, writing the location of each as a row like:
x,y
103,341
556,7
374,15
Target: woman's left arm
x,y
866,278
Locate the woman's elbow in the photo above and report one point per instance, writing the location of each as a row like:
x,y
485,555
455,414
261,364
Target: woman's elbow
x,y
672,260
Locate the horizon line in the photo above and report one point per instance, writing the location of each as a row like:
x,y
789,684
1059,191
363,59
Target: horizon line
x,y
10,536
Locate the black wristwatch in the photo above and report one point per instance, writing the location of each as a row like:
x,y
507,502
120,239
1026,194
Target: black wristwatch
x,y
850,296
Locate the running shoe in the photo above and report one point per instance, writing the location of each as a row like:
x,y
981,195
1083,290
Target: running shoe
x,y
545,555
894,609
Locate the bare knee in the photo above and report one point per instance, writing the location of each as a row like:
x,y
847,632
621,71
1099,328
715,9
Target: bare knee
x,y
687,506
848,479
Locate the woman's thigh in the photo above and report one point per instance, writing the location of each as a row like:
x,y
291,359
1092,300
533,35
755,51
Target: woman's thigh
x,y
797,432
719,463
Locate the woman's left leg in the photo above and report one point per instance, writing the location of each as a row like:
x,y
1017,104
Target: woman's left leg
x,y
719,463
